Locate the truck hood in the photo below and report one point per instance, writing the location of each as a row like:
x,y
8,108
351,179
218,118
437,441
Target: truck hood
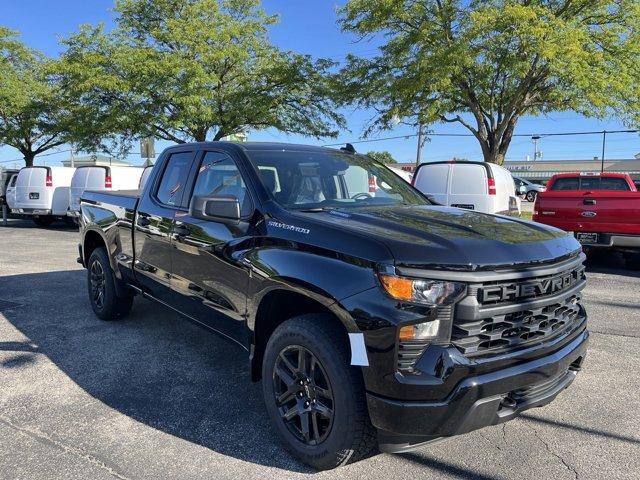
x,y
452,238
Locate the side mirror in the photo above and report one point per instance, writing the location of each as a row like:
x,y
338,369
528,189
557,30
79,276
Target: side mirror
x,y
223,208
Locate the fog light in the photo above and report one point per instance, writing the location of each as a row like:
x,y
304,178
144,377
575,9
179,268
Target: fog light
x,y
420,331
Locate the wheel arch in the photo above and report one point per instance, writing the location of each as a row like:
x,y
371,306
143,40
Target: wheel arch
x,y
278,305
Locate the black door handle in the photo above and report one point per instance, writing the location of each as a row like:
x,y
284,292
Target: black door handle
x,y
589,201
181,231
143,222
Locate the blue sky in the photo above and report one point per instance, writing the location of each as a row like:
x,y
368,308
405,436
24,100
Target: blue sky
x,y
309,26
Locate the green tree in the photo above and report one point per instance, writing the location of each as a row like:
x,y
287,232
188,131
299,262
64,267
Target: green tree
x,y
185,70
486,63
383,157
32,117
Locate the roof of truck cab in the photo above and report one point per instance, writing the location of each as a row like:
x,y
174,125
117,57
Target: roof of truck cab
x,y
262,146
591,174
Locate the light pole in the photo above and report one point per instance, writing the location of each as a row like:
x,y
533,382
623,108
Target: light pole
x,y
604,144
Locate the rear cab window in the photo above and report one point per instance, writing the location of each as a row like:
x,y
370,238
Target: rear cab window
x,y
174,178
590,183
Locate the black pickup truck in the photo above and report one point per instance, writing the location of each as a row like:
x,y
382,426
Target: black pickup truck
x,y
374,318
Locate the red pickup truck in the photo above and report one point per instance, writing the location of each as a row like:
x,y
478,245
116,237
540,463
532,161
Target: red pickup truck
x,y
602,210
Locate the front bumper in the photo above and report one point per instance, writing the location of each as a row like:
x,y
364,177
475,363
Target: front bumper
x,y
477,401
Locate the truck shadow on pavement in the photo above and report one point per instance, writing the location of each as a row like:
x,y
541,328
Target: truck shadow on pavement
x,y
153,366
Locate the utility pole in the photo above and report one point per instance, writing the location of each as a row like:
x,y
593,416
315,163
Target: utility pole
x,y
72,160
604,144
419,150
537,154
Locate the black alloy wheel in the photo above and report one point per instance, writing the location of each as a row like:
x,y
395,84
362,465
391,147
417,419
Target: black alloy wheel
x,y
303,394
97,279
109,300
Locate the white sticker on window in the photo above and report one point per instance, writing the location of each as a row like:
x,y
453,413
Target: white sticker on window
x,y
358,350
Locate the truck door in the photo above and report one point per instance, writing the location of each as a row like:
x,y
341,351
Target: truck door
x,y
208,280
154,224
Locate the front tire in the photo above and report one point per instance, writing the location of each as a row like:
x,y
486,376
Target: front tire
x,y
314,397
105,301
531,196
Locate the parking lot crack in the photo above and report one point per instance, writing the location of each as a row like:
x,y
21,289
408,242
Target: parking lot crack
x,y
567,465
614,334
48,440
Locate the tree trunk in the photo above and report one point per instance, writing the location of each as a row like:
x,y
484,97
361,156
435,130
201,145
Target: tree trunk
x,y
28,158
493,156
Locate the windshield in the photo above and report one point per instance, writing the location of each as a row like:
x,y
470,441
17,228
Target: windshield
x,y
307,180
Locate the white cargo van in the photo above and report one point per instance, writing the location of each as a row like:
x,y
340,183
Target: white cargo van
x,y
484,187
94,177
43,193
10,192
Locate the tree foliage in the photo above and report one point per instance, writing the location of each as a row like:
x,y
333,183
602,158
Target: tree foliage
x,y
32,117
383,157
186,70
486,63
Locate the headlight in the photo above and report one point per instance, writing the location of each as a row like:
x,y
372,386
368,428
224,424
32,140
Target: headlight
x,y
427,292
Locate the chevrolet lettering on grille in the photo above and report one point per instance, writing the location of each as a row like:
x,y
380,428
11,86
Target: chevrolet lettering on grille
x,y
536,288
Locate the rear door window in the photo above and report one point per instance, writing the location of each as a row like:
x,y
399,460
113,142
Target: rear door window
x,y
174,178
469,180
433,179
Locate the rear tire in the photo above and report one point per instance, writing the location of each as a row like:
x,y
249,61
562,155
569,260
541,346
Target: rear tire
x,y
531,196
43,222
103,295
330,400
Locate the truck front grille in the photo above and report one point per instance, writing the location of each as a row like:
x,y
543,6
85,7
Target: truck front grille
x,y
503,316
517,328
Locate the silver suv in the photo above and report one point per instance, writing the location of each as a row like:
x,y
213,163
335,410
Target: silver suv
x,y
528,189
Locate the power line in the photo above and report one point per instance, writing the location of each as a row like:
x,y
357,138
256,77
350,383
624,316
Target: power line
x,y
413,135
37,156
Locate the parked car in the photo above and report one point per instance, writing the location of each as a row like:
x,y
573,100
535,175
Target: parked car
x,y
10,192
372,320
602,210
528,189
99,177
42,193
479,186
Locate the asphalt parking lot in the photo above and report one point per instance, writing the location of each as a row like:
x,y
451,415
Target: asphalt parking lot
x,y
153,396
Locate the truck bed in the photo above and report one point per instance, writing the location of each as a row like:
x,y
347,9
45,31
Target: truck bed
x,y
127,199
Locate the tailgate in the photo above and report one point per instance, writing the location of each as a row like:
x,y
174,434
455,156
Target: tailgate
x,y
602,211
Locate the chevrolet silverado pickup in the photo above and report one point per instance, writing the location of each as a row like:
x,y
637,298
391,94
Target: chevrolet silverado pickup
x,y
374,318
602,210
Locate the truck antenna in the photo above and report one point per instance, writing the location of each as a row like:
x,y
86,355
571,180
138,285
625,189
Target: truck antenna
x,y
348,148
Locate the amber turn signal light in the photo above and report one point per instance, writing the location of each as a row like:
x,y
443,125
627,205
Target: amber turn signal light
x,y
398,287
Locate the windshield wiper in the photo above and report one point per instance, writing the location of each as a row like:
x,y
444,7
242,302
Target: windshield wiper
x,y
314,209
